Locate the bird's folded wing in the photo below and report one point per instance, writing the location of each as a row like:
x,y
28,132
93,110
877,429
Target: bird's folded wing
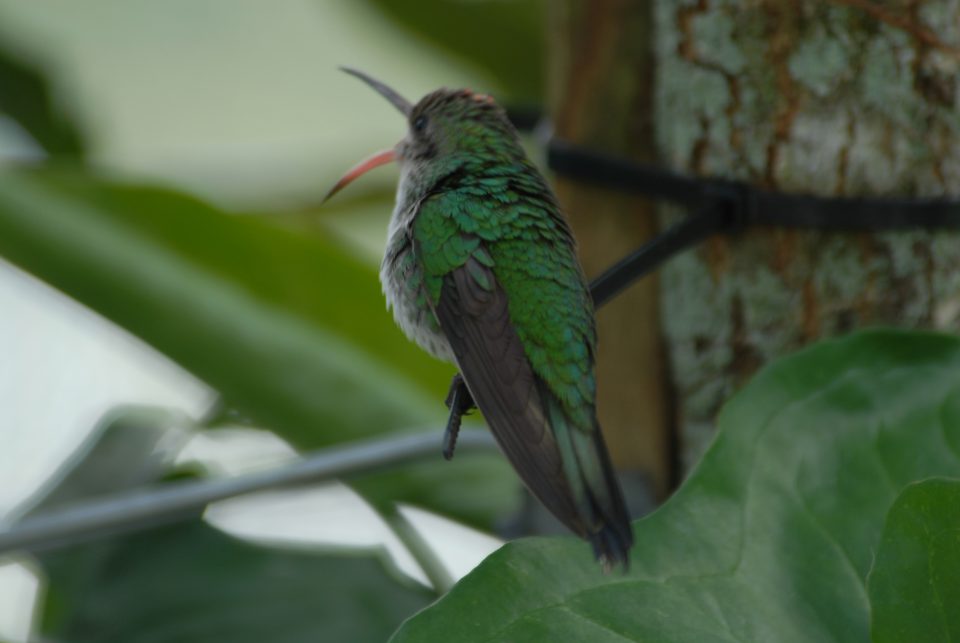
x,y
473,312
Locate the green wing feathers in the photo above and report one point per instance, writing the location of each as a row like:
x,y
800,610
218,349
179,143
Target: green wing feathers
x,y
532,257
553,315
511,299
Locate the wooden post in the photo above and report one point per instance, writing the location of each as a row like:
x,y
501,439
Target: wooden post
x,y
601,94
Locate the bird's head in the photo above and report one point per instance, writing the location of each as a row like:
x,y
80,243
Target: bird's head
x,y
446,129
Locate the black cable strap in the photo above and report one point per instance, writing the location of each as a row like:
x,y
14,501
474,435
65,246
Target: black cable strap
x,y
727,207
685,234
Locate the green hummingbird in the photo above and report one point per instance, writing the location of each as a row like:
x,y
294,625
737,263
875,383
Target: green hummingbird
x,y
481,270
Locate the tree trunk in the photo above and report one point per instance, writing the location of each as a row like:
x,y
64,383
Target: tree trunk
x,y
841,97
601,94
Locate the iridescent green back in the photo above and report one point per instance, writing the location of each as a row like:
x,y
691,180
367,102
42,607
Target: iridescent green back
x,y
500,211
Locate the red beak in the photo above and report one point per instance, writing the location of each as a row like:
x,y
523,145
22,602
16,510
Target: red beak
x,y
378,159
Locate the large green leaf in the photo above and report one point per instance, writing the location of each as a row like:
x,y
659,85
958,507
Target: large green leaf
x,y
505,38
771,537
191,584
915,583
27,99
290,329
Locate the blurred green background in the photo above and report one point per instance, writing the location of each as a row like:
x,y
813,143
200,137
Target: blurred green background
x,y
162,165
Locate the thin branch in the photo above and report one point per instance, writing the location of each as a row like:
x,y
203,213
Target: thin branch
x,y
141,509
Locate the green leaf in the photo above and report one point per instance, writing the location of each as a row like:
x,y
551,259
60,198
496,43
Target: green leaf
x,y
771,537
505,38
289,328
477,496
914,585
192,583
130,446
26,98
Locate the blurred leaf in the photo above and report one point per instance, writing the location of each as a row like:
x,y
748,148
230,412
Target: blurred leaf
x,y
505,38
191,583
914,585
771,537
477,498
359,221
25,96
291,330
130,446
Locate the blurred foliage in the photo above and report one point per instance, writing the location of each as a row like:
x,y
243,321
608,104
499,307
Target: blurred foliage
x,y
129,447
475,488
287,326
191,582
505,38
773,535
914,585
290,329
26,98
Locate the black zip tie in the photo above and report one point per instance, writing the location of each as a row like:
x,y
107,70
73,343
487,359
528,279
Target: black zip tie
x,y
727,207
752,205
685,234
606,170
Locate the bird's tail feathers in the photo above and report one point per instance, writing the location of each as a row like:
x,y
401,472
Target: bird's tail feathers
x,y
593,482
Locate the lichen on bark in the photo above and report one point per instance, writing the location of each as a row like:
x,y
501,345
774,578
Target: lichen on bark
x,y
845,97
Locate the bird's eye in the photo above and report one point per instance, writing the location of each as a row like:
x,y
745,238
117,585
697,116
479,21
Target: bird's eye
x,y
420,124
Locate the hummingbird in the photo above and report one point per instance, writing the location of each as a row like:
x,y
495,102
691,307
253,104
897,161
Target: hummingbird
x,y
480,270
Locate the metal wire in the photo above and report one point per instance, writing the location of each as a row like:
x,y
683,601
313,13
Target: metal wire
x,y
141,509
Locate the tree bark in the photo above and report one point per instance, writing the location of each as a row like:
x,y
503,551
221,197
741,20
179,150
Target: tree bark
x,y
601,94
839,97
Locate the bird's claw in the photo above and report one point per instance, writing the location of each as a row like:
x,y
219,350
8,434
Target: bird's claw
x,y
460,403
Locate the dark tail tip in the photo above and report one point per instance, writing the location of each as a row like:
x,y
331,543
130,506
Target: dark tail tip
x,y
613,540
611,545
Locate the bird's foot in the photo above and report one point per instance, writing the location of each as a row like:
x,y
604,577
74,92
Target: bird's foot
x,y
460,402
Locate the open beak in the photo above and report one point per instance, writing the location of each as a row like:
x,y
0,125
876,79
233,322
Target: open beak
x,y
380,158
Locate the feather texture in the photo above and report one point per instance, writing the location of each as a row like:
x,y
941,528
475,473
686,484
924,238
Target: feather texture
x,y
566,468
481,270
